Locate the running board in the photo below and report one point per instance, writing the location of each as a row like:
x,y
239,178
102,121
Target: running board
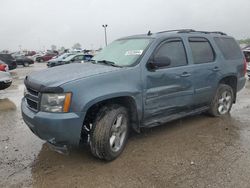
x,y
158,121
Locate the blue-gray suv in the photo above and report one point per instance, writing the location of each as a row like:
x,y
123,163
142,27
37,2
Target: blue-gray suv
x,y
135,82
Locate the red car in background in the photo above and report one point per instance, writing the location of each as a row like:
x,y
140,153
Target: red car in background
x,y
30,53
3,67
46,57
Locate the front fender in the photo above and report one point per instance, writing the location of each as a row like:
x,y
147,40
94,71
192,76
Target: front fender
x,y
107,97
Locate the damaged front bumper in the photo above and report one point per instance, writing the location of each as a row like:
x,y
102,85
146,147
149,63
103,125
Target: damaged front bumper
x,y
59,129
62,148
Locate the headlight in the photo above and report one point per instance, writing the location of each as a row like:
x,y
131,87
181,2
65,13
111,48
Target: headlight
x,y
52,102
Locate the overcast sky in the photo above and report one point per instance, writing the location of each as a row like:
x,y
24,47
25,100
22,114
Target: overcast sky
x,y
35,24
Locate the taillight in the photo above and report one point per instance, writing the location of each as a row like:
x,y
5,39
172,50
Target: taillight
x,y
6,68
245,66
2,67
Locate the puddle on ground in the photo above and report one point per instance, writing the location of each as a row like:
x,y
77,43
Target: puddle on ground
x,y
6,105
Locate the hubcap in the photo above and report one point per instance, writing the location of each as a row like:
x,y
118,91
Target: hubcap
x,y
224,102
118,133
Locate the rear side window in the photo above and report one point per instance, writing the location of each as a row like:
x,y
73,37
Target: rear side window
x,y
229,48
175,51
201,50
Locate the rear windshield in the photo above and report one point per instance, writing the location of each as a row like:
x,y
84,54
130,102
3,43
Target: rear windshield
x,y
6,57
229,48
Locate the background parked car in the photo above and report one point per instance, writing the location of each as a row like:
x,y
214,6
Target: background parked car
x,y
24,61
17,54
3,66
9,60
34,57
76,58
45,57
5,80
56,59
30,53
247,56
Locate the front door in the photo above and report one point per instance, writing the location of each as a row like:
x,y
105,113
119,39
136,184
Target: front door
x,y
169,89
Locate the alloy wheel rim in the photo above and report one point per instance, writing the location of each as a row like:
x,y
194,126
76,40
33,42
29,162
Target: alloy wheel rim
x,y
224,102
118,133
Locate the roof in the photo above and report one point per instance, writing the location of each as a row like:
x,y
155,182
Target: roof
x,y
175,32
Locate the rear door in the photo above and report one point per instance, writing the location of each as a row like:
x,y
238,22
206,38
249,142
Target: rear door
x,y
168,90
205,70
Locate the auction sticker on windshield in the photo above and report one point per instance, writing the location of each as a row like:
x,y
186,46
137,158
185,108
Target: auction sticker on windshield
x,y
134,52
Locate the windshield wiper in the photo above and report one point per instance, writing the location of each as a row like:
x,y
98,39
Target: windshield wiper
x,y
106,62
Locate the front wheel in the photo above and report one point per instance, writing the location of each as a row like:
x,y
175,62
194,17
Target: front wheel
x,y
109,133
222,101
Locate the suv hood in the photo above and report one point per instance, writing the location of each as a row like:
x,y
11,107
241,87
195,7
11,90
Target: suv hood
x,y
57,76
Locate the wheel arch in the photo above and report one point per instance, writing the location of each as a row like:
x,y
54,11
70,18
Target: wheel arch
x,y
230,80
127,101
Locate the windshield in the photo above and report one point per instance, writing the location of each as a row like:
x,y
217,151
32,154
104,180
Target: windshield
x,y
123,52
63,56
69,57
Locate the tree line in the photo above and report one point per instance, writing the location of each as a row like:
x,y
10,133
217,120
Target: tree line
x,y
244,41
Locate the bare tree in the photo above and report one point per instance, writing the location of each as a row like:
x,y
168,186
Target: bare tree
x,y
76,46
62,48
53,47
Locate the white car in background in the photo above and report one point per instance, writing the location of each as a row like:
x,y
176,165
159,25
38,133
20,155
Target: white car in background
x,y
5,80
247,56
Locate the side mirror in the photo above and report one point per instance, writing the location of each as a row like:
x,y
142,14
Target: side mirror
x,y
159,62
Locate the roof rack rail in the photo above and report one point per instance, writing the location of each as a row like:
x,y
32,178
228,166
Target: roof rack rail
x,y
212,32
177,30
192,31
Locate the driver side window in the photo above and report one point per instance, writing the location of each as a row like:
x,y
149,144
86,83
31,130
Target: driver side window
x,y
175,51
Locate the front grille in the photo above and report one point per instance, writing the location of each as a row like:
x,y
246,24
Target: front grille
x,y
32,99
33,92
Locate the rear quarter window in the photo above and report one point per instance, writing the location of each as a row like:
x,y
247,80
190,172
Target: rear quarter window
x,y
229,48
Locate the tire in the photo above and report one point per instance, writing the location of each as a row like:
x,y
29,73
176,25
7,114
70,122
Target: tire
x,y
222,101
109,133
4,85
26,64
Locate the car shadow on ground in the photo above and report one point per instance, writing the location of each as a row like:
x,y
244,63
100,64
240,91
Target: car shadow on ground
x,y
171,146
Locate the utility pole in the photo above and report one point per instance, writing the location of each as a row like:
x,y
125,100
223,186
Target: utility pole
x,y
105,32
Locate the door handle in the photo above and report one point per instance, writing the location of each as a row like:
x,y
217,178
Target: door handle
x,y
216,69
185,74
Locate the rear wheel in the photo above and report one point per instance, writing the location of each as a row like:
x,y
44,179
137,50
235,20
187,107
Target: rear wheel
x,y
109,133
222,101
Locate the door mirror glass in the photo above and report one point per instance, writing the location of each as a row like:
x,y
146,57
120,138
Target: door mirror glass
x,y
162,61
159,62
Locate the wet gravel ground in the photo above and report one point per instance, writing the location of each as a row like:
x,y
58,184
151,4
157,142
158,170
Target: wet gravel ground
x,y
197,151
